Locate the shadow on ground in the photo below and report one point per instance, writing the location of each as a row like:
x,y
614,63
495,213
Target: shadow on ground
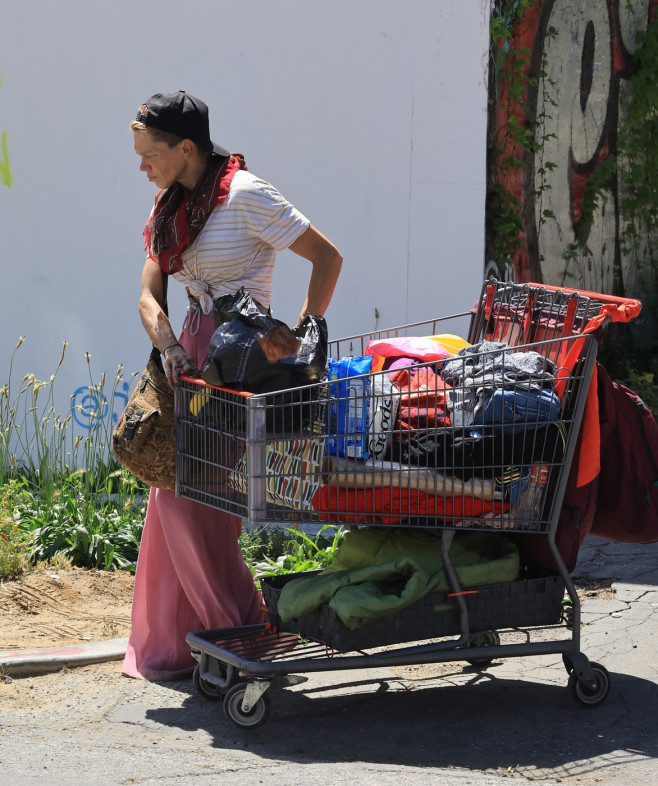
x,y
485,724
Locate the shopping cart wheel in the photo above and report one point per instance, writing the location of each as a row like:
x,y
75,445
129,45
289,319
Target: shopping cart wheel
x,y
591,695
208,689
488,638
254,717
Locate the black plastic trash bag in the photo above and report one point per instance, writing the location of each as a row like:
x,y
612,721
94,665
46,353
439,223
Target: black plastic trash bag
x,y
252,351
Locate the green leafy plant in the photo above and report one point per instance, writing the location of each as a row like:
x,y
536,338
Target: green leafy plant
x,y
63,493
299,552
13,549
644,384
97,532
43,445
65,498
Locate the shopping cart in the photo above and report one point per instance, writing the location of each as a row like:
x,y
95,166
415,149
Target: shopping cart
x,y
429,442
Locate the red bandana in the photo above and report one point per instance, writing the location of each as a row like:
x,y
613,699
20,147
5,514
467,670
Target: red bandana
x,y
179,215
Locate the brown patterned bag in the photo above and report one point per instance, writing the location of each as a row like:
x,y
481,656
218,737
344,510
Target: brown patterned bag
x,y
143,439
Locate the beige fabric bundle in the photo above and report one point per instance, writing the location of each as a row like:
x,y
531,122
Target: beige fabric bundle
x,y
353,474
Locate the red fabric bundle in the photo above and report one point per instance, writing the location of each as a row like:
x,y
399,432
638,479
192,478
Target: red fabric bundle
x,y
389,505
423,399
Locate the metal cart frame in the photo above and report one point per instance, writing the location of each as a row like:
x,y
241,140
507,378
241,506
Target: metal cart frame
x,y
218,428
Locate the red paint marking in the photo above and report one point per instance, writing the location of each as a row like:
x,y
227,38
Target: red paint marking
x,y
46,651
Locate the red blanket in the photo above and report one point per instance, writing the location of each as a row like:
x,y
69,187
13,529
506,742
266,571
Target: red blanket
x,y
389,506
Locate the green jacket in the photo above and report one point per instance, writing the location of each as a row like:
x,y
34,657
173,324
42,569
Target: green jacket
x,y
379,570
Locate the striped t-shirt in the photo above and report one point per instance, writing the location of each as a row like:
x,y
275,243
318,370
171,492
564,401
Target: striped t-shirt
x,y
238,244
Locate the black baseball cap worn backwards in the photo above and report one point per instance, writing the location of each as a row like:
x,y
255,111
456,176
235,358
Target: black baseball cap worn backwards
x,y
180,114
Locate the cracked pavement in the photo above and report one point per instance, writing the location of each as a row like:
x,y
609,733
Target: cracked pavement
x,y
446,724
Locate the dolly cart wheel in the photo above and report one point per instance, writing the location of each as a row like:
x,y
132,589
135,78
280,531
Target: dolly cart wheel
x,y
244,707
591,695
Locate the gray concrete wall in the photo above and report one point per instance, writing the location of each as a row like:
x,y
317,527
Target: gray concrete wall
x,y
369,115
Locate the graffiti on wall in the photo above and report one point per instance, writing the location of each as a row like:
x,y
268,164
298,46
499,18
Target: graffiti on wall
x,y
5,169
583,54
91,408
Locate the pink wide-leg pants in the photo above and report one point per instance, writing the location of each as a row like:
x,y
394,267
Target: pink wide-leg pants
x,y
190,572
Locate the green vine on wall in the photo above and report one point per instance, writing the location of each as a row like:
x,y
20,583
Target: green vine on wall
x,y
634,168
630,172
504,222
510,144
635,163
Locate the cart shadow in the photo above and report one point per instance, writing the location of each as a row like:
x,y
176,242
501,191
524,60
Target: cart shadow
x,y
486,723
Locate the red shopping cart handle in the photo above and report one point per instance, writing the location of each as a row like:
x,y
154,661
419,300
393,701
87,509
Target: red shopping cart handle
x,y
612,299
202,384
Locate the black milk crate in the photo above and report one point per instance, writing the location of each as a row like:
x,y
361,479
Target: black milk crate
x,y
513,604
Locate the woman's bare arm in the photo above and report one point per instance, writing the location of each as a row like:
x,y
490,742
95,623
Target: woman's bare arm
x,y
157,325
327,262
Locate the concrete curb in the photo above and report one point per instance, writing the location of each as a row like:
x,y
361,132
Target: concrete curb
x,y
31,663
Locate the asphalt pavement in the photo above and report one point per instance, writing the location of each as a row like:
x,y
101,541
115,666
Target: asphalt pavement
x,y
443,724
